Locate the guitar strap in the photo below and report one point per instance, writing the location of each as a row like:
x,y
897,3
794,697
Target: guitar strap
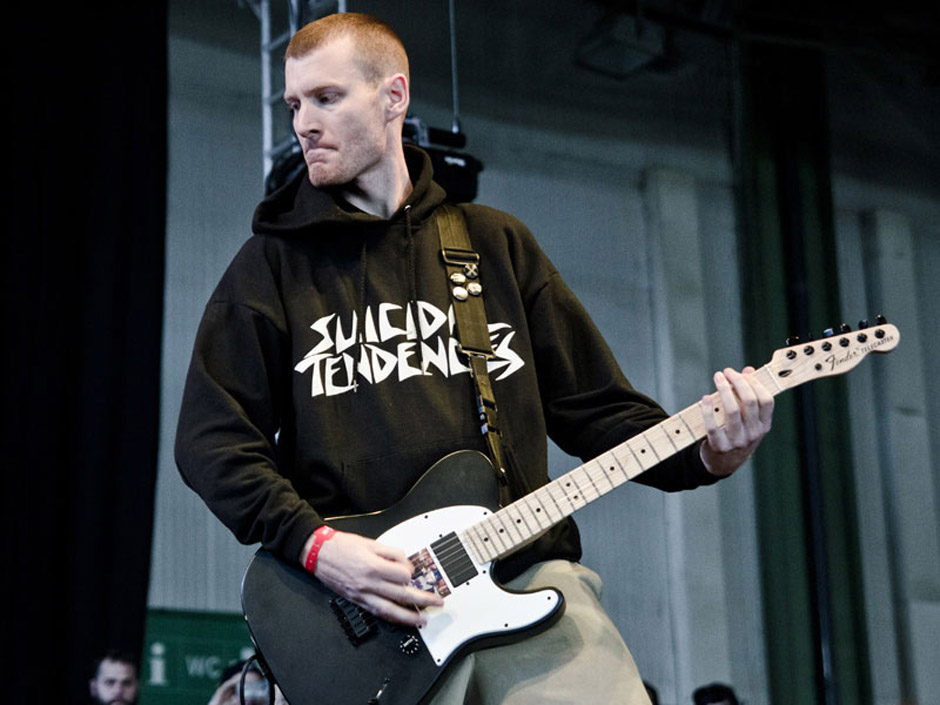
x,y
462,266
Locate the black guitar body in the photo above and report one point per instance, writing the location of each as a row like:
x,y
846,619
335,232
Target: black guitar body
x,y
323,650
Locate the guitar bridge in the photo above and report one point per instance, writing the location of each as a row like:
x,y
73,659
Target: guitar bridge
x,y
358,623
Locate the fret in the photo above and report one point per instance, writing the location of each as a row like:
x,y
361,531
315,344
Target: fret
x,y
613,466
765,375
484,536
484,554
518,519
636,458
539,516
548,493
497,539
531,515
472,539
577,498
504,529
529,520
627,460
676,430
561,497
643,451
597,473
719,411
692,418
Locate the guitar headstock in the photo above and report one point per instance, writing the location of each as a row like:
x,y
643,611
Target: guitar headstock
x,y
837,352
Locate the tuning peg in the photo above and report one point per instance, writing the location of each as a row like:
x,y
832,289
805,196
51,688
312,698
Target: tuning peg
x,y
881,320
793,340
845,328
828,333
863,324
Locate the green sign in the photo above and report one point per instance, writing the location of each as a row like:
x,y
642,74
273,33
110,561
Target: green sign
x,y
186,652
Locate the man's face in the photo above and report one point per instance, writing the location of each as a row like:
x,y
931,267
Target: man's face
x,y
115,684
340,118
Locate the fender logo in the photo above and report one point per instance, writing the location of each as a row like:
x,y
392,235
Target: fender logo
x,y
838,360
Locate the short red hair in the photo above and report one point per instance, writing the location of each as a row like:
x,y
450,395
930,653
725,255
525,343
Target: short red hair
x,y
379,50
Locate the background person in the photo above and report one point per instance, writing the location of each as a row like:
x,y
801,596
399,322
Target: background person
x,y
116,680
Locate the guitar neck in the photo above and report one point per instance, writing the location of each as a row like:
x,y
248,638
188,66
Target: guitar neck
x,y
512,526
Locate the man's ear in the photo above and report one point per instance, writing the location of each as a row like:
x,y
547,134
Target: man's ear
x,y
396,90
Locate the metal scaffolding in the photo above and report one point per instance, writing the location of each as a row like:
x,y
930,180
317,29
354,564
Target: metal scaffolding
x,y
277,137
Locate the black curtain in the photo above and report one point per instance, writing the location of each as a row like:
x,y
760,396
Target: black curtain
x,y
83,257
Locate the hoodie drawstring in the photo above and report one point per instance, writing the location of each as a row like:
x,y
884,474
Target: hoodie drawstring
x,y
361,312
413,293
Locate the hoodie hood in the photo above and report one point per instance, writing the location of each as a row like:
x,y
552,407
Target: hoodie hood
x,y
298,205
298,209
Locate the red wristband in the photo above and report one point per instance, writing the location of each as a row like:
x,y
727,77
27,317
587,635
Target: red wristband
x,y
320,536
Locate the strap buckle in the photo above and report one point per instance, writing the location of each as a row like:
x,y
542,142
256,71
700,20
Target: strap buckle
x,y
459,257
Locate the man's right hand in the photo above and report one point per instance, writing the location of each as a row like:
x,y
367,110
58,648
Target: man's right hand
x,y
374,576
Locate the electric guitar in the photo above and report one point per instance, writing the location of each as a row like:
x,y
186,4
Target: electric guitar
x,y
324,650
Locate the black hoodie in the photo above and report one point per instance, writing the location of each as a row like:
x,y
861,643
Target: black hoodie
x,y
280,428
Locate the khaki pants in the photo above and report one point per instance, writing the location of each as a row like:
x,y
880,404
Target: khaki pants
x,y
581,660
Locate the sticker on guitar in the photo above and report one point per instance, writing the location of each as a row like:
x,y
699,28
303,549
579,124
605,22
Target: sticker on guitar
x,y
427,576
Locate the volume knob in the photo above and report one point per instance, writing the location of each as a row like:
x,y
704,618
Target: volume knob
x,y
409,645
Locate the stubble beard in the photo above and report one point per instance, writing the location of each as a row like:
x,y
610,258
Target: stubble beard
x,y
343,167
324,176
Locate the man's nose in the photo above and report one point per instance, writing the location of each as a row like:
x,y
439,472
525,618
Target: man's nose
x,y
306,121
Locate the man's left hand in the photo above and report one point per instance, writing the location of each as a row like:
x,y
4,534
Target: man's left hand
x,y
748,409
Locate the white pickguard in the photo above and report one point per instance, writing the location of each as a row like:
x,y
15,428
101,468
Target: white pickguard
x,y
476,608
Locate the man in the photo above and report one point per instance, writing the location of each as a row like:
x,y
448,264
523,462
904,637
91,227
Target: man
x,y
116,680
324,379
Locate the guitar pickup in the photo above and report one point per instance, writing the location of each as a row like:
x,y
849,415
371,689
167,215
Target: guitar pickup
x,y
358,624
